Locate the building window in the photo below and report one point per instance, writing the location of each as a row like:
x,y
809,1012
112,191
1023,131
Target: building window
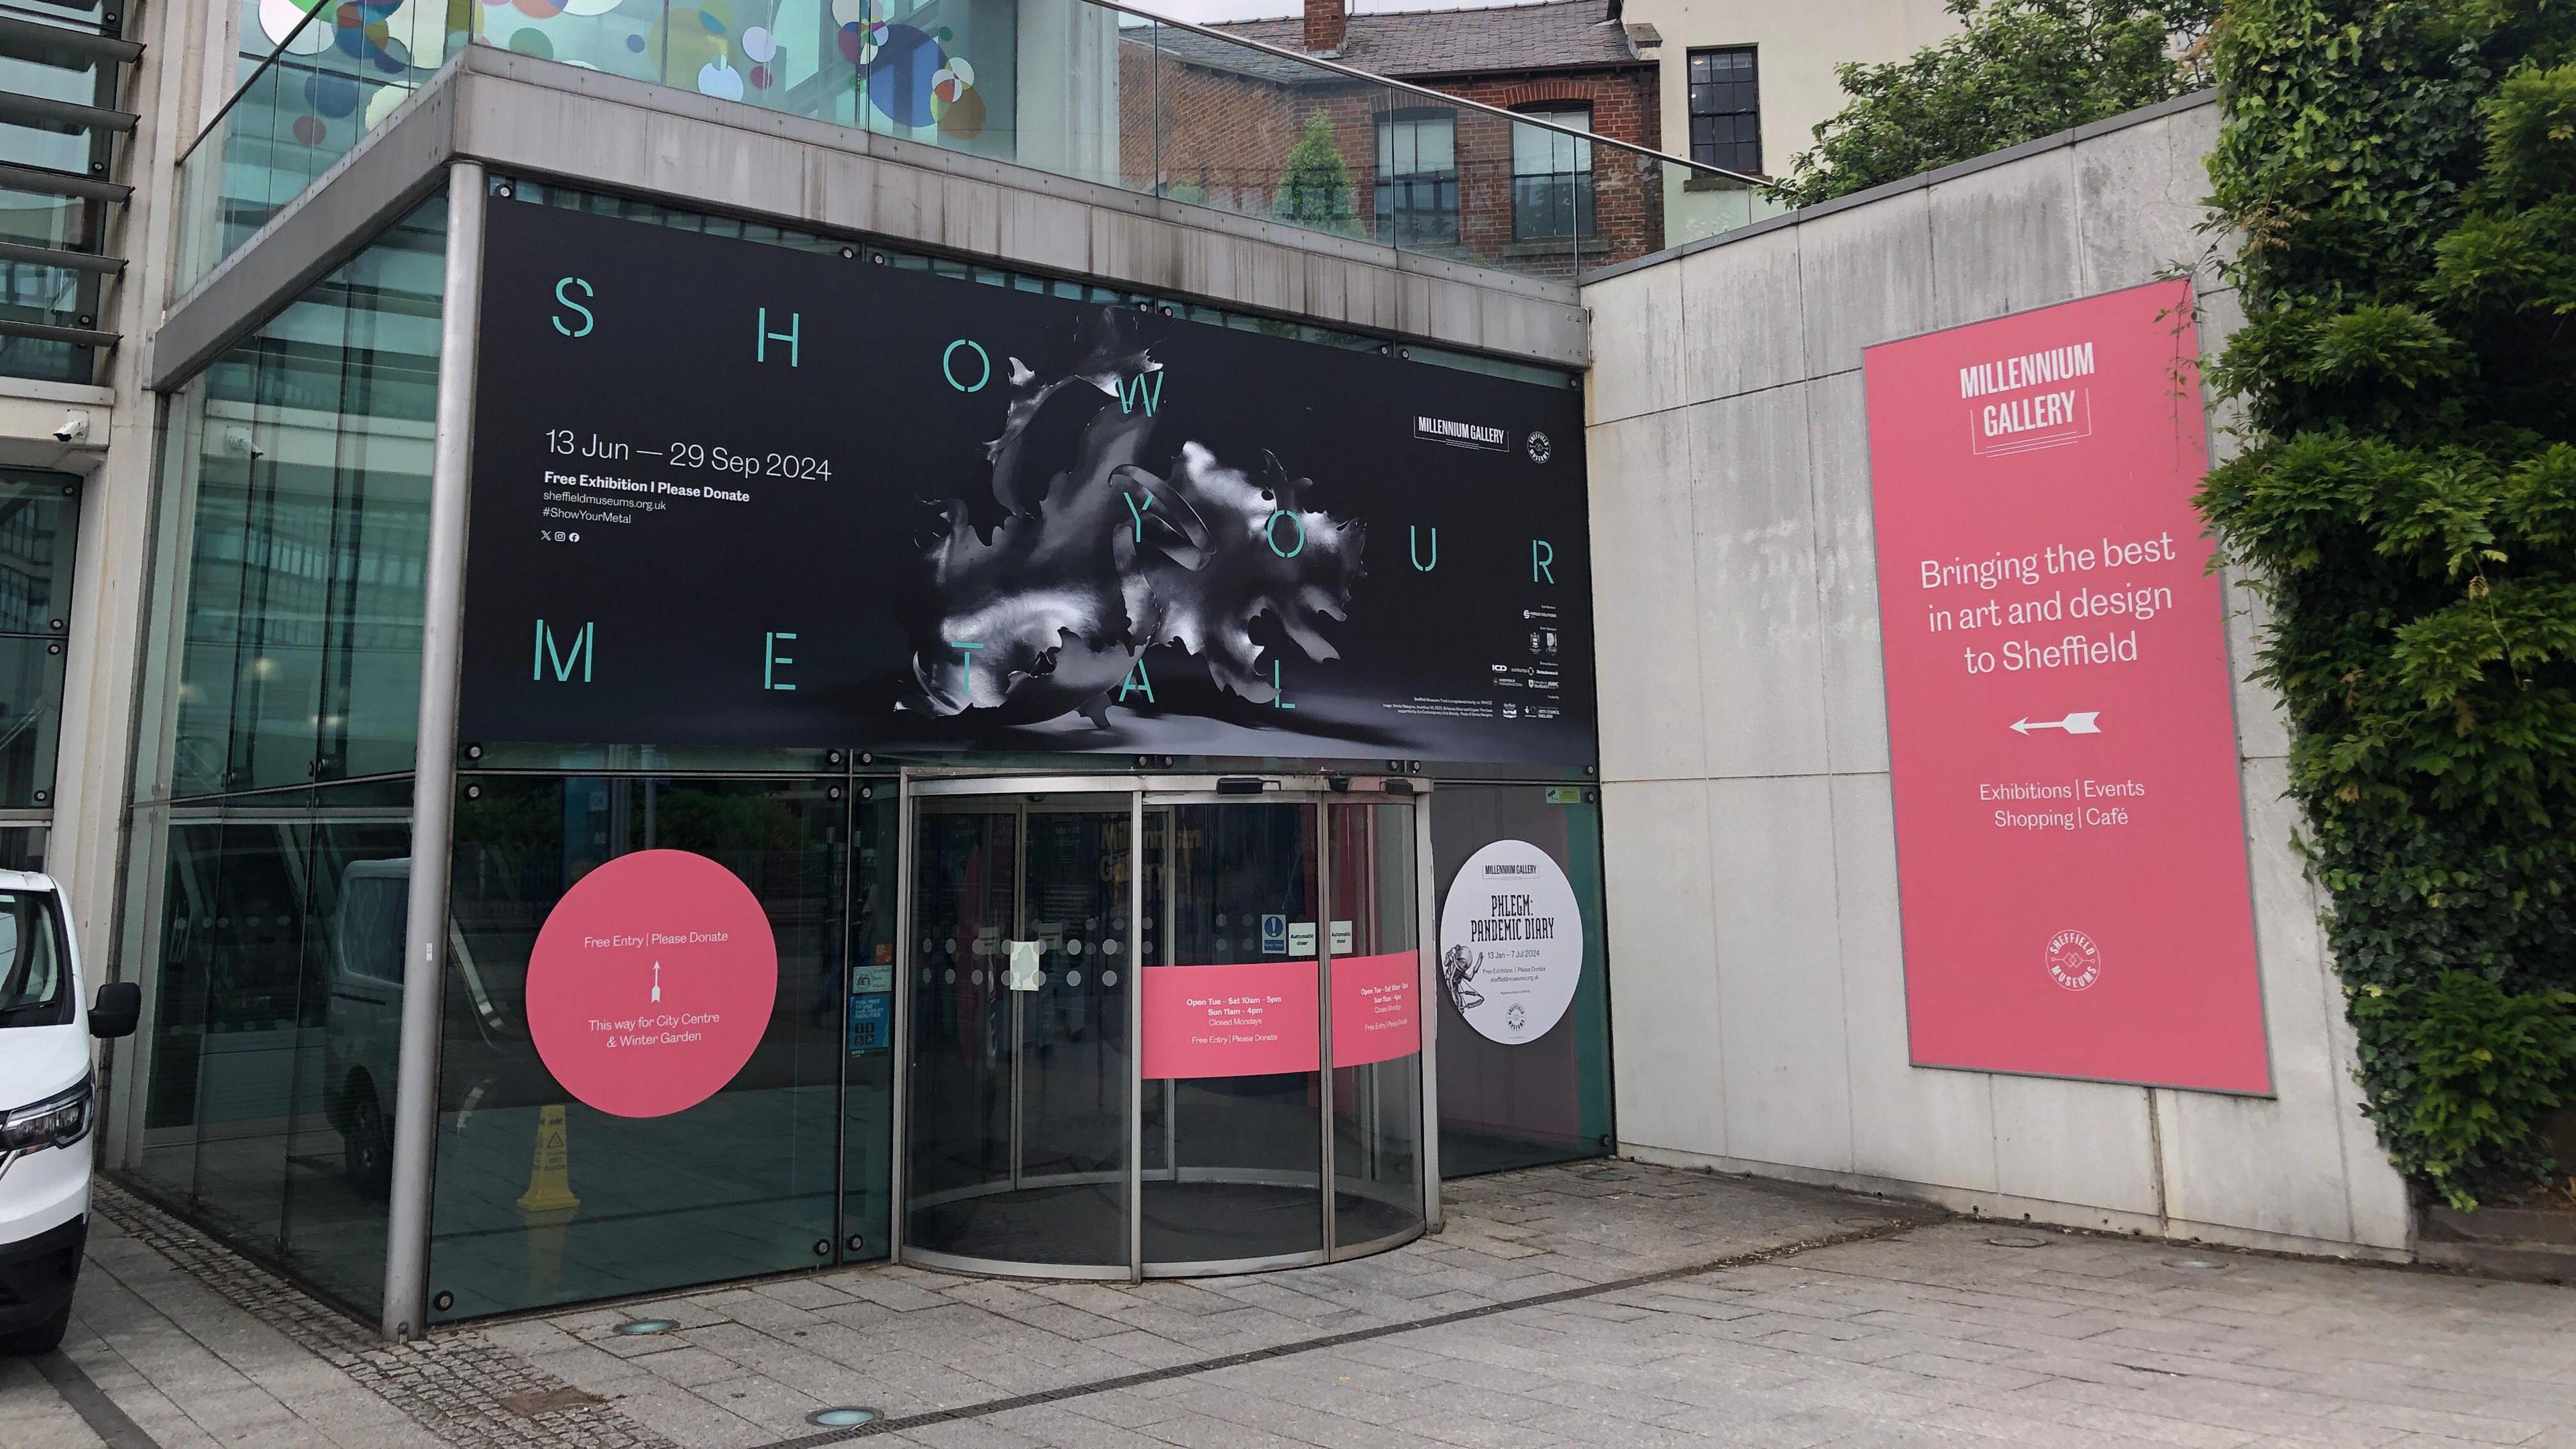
x,y
1726,109
1417,177
1552,175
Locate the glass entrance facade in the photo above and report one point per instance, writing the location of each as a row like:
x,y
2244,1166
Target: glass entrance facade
x,y
1159,1030
1022,1011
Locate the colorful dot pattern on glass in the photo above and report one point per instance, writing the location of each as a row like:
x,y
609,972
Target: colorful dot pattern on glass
x,y
903,75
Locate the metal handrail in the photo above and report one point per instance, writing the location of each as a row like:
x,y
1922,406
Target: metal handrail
x,y
1443,98
239,91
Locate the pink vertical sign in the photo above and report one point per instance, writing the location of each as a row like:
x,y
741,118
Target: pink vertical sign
x,y
2070,829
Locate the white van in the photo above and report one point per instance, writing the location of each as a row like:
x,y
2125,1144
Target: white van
x,y
47,1107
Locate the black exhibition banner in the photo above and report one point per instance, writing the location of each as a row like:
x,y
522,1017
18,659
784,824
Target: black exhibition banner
x,y
732,493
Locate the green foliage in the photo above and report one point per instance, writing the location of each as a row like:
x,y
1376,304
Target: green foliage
x,y
2480,1067
1315,191
2399,174
2020,69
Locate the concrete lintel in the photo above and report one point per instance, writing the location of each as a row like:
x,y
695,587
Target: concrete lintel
x,y
361,194
526,117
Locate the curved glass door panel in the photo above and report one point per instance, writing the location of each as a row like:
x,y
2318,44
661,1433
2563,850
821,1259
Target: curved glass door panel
x,y
1018,1101
1232,1131
1376,1024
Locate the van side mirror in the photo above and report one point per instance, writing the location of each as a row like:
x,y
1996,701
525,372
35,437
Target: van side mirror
x,y
118,1008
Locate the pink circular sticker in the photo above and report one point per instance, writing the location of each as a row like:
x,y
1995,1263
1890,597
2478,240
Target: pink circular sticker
x,y
651,982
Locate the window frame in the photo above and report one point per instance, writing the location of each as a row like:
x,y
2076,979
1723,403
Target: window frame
x,y
1388,186
1575,215
1734,153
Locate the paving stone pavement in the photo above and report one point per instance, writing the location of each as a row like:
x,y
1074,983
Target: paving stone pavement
x,y
1599,1304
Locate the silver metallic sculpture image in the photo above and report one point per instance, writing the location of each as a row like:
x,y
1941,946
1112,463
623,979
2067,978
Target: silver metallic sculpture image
x,y
1100,557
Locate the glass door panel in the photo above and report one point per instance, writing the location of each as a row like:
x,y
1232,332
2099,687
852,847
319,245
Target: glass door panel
x,y
1376,974
1072,1066
1020,1063
867,1027
965,901
1233,1166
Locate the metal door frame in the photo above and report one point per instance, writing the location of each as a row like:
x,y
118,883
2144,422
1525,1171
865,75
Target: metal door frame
x,y
1141,792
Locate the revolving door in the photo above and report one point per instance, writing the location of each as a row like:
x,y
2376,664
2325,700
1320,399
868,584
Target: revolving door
x,y
1162,1027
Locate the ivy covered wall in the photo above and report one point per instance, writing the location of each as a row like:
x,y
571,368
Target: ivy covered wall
x,y
2402,177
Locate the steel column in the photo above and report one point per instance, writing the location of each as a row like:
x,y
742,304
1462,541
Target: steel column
x,y
434,775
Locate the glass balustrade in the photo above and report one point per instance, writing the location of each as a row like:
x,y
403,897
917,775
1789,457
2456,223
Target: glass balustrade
x,y
1070,87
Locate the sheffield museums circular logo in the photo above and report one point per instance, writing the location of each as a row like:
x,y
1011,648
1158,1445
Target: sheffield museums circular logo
x,y
1540,449
2074,962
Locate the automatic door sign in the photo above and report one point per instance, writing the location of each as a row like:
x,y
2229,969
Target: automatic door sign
x,y
651,983
1511,942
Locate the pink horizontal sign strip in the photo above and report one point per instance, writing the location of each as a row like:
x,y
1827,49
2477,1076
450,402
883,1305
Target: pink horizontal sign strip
x,y
1377,1008
1256,1019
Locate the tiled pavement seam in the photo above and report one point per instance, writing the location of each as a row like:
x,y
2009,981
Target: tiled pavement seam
x,y
748,1362
476,1385
1942,1336
83,1397
453,1386
989,1408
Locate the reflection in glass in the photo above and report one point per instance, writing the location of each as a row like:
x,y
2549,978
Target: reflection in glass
x,y
296,604
264,913
1020,1050
1377,1105
1233,1166
1065,87
867,1090
545,1200
357,877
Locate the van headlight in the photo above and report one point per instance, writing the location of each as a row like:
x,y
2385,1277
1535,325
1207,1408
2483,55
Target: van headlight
x,y
58,1121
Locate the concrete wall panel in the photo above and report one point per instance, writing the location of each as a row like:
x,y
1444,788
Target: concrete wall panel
x,y
1762,670
1643,373
1855,671
1665,1014
2005,240
2086,1145
1783,1034
1866,277
1744,326
2139,198
1647,623
1909,1124
1761,1009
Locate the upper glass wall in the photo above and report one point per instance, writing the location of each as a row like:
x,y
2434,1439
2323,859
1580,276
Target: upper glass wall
x,y
1070,87
289,648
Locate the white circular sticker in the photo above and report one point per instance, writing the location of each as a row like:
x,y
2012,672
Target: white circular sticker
x,y
1511,942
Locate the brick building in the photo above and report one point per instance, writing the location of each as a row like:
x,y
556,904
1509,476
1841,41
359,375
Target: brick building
x,y
1424,176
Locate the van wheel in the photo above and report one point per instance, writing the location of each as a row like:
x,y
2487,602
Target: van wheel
x,y
366,1143
45,1337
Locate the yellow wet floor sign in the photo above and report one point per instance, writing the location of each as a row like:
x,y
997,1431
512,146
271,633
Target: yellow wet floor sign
x,y
550,1168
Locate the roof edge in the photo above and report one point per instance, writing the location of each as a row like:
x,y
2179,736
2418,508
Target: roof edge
x,y
1920,181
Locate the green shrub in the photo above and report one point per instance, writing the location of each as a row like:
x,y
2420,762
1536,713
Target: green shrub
x,y
2399,175
2481,1068
2016,71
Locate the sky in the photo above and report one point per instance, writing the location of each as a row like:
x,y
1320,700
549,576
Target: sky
x,y
1209,11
